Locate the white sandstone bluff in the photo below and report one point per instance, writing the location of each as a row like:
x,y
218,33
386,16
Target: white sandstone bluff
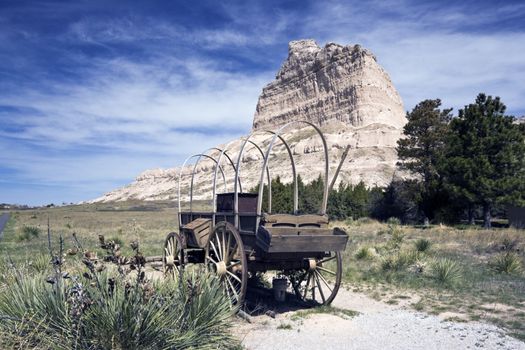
x,y
340,88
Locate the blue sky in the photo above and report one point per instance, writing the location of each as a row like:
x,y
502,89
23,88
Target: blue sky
x,y
92,94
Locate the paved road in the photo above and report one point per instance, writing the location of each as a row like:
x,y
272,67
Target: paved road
x,y
4,218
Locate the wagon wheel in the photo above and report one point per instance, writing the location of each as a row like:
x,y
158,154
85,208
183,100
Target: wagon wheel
x,y
172,260
225,256
319,282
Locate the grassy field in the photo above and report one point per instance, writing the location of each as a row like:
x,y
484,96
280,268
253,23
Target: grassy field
x,y
149,224
462,273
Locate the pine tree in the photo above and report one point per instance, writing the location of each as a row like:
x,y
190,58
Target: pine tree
x,y
485,157
421,151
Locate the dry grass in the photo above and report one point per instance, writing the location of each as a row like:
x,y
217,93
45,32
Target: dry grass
x,y
147,223
465,279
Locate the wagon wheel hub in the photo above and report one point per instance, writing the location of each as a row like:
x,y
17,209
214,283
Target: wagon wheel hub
x,y
312,264
220,268
170,260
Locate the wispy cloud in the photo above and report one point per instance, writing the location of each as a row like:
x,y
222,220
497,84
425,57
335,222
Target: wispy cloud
x,y
95,93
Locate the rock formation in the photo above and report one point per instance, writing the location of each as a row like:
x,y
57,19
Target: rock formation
x,y
340,88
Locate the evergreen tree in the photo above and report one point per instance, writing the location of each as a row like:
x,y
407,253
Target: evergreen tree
x,y
485,157
421,151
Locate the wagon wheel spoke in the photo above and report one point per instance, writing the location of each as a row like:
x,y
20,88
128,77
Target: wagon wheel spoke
x,y
234,276
226,257
234,290
324,281
306,287
172,259
319,284
326,260
211,259
235,263
319,287
215,250
326,270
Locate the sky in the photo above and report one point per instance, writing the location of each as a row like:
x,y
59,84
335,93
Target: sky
x,y
94,92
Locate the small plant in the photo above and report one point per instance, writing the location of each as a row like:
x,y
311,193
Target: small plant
x,y
422,245
29,232
286,326
508,263
399,261
446,272
40,263
349,221
393,221
364,253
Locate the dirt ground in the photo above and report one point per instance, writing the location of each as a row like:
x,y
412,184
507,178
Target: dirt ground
x,y
376,326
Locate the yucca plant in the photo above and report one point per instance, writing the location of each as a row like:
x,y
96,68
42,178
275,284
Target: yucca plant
x,y
507,262
422,245
364,253
446,272
116,308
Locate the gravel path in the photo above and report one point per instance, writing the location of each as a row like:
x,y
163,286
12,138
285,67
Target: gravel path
x,y
378,326
4,218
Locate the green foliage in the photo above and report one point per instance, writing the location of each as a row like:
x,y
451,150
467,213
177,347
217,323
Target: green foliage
x,y
399,260
364,253
508,262
421,151
118,315
485,156
393,221
347,201
422,245
28,232
446,272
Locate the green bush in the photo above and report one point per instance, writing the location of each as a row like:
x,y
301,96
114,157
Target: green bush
x,y
399,260
393,221
29,232
109,312
446,272
364,253
422,245
508,263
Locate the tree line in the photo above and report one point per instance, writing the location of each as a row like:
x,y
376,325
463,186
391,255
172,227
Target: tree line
x,y
453,168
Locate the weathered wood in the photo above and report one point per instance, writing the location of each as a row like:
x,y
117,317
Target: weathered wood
x,y
197,232
283,239
288,220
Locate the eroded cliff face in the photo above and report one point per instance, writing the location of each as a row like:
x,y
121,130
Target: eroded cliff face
x,y
335,83
342,89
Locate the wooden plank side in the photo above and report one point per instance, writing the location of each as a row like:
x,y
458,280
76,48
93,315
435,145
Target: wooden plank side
x,y
282,244
299,231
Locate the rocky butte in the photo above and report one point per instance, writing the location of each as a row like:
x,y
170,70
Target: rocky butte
x,y
342,89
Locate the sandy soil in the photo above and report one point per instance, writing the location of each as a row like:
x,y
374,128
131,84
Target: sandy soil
x,y
378,326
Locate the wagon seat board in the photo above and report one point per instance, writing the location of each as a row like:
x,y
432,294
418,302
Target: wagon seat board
x,y
286,233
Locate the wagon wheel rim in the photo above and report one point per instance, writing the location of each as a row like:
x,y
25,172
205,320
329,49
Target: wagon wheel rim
x,y
319,282
225,256
172,260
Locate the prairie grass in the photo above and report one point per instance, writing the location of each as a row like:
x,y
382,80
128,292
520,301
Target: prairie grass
x,y
448,268
111,308
509,263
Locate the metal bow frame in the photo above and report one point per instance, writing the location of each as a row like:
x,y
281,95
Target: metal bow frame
x,y
237,187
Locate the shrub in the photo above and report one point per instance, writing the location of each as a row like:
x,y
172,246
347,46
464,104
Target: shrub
x,y
365,253
118,315
393,221
399,260
422,245
40,263
508,262
446,272
108,308
28,232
